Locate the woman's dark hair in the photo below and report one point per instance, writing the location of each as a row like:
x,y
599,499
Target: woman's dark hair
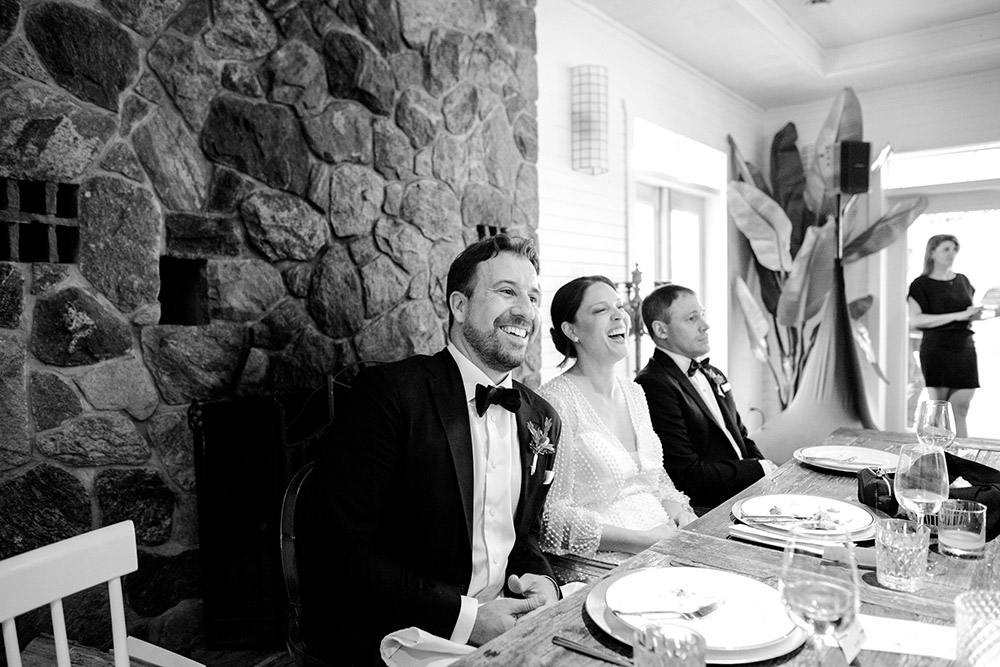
x,y
932,244
462,274
564,306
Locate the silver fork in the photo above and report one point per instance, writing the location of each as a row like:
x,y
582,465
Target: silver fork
x,y
700,612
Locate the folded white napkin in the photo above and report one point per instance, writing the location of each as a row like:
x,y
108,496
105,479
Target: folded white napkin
x,y
413,647
893,635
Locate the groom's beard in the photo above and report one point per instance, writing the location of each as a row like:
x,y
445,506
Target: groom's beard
x,y
494,346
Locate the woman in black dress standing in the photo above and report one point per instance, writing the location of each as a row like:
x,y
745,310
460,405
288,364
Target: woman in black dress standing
x,y
940,303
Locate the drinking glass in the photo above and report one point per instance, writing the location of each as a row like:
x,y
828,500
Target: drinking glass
x,y
820,594
921,479
936,423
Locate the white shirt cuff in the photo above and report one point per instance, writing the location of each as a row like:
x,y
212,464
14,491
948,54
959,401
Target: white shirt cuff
x,y
466,620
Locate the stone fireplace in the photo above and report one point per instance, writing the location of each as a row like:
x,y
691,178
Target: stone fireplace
x,y
215,199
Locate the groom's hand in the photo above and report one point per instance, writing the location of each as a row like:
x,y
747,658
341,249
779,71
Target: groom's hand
x,y
534,586
498,616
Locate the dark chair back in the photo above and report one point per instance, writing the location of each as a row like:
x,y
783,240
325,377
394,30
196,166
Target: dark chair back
x,y
297,649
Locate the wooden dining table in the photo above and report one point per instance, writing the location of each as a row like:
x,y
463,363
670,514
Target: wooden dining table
x,y
706,543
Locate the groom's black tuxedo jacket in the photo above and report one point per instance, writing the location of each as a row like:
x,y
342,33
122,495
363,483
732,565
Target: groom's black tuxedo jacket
x,y
389,532
696,453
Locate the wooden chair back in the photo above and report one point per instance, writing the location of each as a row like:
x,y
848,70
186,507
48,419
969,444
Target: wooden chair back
x,y
46,575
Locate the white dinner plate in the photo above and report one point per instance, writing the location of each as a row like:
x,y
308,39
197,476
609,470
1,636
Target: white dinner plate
x,y
846,459
823,514
751,624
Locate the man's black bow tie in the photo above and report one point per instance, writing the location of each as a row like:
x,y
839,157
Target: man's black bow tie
x,y
695,365
505,398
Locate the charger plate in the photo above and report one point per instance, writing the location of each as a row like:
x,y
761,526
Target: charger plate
x,y
751,624
846,459
856,520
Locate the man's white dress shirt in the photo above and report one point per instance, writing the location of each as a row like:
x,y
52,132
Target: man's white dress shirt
x,y
704,387
496,475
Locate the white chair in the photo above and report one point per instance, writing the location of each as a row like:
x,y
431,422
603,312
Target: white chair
x,y
48,574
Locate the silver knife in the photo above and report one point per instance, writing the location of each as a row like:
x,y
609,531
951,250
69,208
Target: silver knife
x,y
606,656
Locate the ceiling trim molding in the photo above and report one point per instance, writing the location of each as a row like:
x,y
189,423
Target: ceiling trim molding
x,y
789,35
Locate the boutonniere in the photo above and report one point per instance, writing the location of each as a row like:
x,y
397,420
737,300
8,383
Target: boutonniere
x,y
718,381
540,443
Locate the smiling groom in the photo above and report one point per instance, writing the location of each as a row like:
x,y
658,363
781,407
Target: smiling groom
x,y
426,500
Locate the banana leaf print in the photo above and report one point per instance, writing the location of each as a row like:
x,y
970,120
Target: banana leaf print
x,y
763,223
844,123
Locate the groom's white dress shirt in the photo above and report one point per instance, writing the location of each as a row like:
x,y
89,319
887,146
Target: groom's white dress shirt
x,y
496,475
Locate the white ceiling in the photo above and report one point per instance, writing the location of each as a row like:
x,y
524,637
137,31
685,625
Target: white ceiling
x,y
781,52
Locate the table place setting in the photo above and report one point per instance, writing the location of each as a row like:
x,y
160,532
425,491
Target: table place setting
x,y
768,520
740,619
840,458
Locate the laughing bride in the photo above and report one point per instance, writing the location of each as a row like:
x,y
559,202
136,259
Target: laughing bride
x,y
610,492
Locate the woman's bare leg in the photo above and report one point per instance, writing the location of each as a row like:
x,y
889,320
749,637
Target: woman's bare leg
x,y
960,400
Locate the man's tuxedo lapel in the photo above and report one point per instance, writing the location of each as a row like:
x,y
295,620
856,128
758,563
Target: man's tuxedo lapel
x,y
448,394
525,414
685,384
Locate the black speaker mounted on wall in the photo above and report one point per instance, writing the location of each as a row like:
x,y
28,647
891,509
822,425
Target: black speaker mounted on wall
x,y
850,166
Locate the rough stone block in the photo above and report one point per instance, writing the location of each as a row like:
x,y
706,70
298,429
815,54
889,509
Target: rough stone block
x,y
86,53
242,290
95,440
173,161
120,241
11,295
356,71
282,226
46,137
53,402
120,384
200,236
241,30
138,495
194,362
262,140
44,505
173,441
336,296
71,328
351,195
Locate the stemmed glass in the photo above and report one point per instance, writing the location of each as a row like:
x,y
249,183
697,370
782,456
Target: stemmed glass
x,y
921,481
936,423
820,594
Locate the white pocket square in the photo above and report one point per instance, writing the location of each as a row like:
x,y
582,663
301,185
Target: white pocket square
x,y
549,476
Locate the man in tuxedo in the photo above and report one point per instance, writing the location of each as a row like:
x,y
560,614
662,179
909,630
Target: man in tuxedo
x,y
428,495
706,450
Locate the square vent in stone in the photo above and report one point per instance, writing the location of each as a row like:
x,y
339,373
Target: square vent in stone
x,y
486,231
38,221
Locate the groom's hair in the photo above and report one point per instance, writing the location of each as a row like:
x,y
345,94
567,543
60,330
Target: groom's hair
x,y
462,274
656,305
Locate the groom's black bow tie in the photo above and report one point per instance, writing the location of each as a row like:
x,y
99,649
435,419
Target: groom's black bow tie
x,y
695,365
505,398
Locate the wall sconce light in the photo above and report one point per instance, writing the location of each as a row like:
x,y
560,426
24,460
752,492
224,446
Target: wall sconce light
x,y
589,98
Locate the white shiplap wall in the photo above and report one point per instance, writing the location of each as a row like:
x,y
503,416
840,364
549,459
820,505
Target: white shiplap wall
x,y
582,228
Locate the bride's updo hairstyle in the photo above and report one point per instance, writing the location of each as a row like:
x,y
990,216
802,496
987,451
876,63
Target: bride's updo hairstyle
x,y
564,306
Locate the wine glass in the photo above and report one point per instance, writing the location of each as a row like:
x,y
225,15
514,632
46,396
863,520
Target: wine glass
x,y
820,594
936,423
921,479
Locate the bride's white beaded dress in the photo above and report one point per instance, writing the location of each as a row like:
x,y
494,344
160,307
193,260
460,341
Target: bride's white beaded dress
x,y
597,479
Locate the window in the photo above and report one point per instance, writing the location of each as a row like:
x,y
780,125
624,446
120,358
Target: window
x,y
666,240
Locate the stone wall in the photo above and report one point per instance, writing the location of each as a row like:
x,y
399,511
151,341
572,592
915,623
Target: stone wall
x,y
218,198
